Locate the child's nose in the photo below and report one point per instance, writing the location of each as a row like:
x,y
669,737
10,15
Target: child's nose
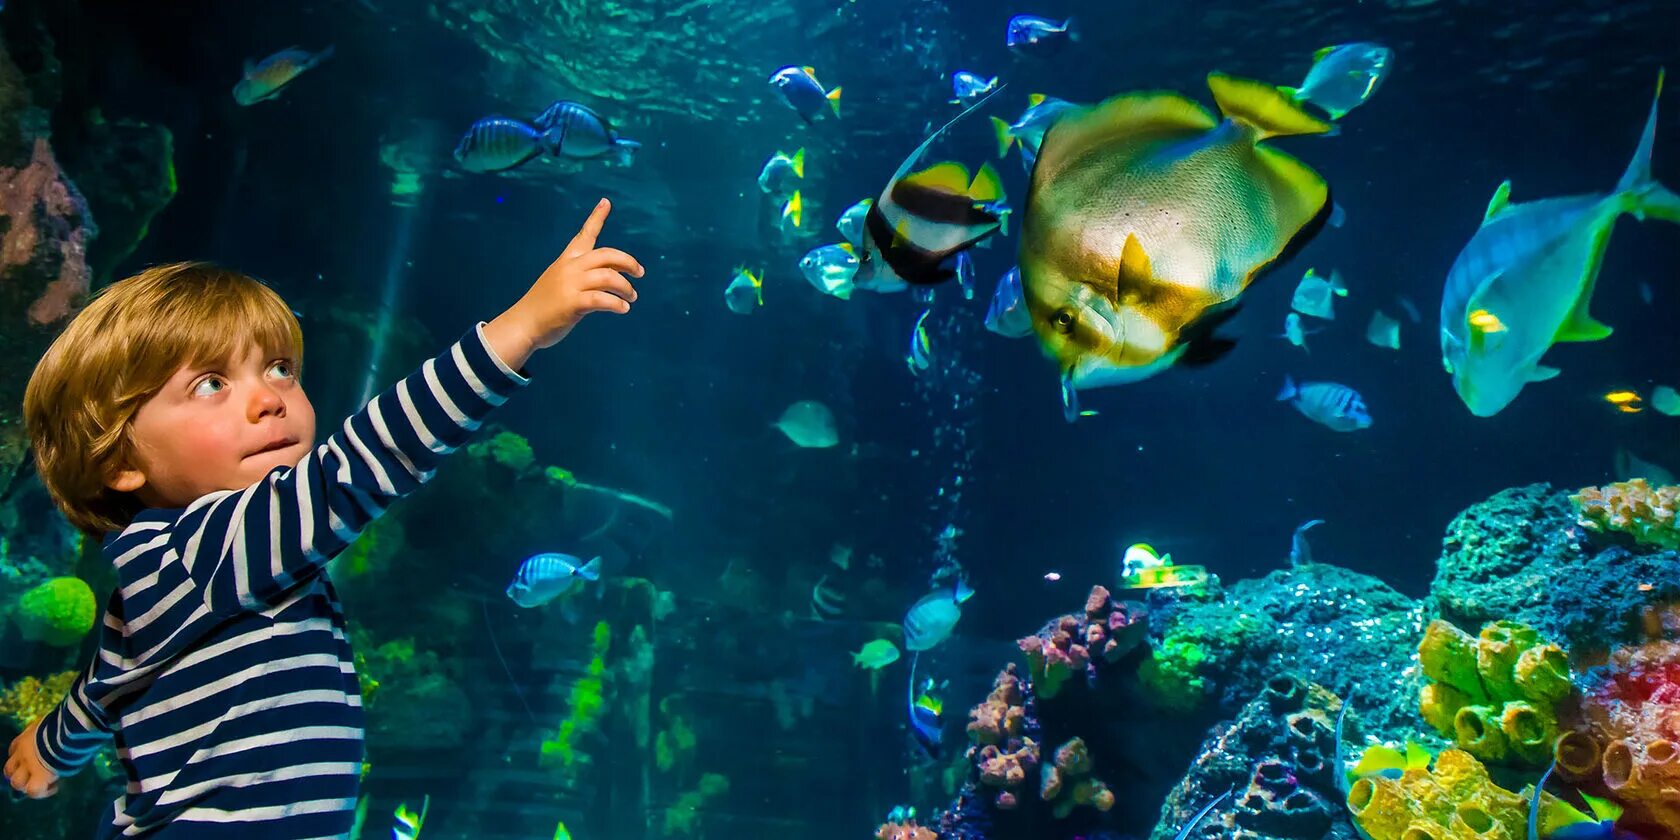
x,y
265,401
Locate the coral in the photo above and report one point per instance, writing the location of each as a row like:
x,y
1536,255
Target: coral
x,y
587,702
57,612
999,719
674,745
1002,756
1495,696
26,700
907,830
1624,736
1634,508
1068,783
1108,631
1454,799
506,448
683,816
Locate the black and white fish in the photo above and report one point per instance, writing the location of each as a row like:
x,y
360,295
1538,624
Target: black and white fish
x,y
545,577
1330,404
497,144
826,601
575,131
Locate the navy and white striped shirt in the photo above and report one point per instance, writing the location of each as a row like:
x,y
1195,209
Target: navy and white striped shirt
x,y
223,671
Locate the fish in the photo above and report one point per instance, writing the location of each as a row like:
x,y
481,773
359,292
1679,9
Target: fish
x,y
1142,568
876,655
775,177
1126,272
1300,551
966,87
1343,77
793,212
901,813
1625,401
1184,833
1052,577
926,713
497,144
1576,825
965,275
408,823
1031,35
1646,295
920,355
544,577
803,93
832,269
1666,400
921,221
1411,310
1525,280
1295,332
1007,314
826,601
850,223
1629,466
265,79
1027,133
1383,331
1329,404
745,291
809,424
575,131
1315,295
1383,761
930,620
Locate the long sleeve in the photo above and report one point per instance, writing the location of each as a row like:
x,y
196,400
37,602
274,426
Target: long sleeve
x,y
72,731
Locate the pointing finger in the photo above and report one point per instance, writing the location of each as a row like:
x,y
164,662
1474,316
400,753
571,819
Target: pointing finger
x,y
586,235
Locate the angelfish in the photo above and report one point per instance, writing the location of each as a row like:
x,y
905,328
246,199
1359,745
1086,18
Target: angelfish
x,y
1525,280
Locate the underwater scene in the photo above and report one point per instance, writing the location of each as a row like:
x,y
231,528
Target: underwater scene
x,y
1038,420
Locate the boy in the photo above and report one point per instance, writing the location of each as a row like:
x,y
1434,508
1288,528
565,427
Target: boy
x,y
169,415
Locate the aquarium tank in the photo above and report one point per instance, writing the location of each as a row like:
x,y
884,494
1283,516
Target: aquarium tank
x,y
840,419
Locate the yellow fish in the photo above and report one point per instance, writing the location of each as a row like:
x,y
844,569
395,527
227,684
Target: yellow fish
x,y
1147,218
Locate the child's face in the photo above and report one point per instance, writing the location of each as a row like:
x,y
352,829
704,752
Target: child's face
x,y
218,427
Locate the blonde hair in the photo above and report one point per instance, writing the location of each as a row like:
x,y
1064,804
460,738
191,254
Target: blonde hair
x,y
119,351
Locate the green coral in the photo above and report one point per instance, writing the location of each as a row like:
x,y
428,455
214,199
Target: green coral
x,y
57,612
509,449
1497,695
373,549
683,817
588,699
1171,674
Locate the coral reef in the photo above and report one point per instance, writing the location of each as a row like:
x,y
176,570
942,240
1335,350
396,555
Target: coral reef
x,y
1105,634
417,693
1633,508
1068,782
907,830
1003,756
28,699
1277,757
1454,799
1495,696
1624,737
57,612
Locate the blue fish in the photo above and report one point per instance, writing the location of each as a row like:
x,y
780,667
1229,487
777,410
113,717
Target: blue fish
x,y
1028,131
931,619
1329,404
965,274
545,577
1600,826
1036,36
927,715
1300,551
967,87
803,93
575,131
920,357
1007,315
497,144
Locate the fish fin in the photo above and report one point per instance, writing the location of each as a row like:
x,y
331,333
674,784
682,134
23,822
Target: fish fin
x,y
987,186
1133,116
323,55
1501,199
1072,33
812,72
1417,756
1541,373
1005,138
1262,106
590,570
1035,99
833,98
1202,343
1322,53
1293,93
1135,268
1580,326
798,161
947,177
1338,216
794,210
248,68
1003,222
1603,809
1288,391
1638,172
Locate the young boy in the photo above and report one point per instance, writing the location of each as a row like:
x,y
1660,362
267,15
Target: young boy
x,y
169,414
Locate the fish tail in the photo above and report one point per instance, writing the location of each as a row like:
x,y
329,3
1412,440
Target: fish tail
x,y
323,55
798,162
1289,391
591,570
1072,33
1263,107
833,98
1005,137
1643,195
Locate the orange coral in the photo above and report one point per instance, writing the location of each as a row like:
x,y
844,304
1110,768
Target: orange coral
x,y
908,830
1068,782
1634,508
1002,714
1003,759
1629,736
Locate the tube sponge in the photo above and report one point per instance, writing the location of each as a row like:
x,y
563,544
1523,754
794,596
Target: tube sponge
x,y
58,612
1497,695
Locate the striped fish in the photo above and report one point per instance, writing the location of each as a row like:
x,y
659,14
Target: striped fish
x,y
545,577
497,144
1329,404
826,601
932,618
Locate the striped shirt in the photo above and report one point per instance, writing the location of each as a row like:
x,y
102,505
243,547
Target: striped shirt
x,y
223,673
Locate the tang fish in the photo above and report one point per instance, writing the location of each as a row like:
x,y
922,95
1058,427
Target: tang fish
x,y
780,171
545,577
1142,568
745,291
265,79
809,424
1343,77
1126,271
1007,315
1381,760
920,355
575,131
1332,405
1525,280
1316,295
497,144
793,212
876,655
803,93
1037,36
850,223
1028,131
1383,331
967,87
931,619
831,269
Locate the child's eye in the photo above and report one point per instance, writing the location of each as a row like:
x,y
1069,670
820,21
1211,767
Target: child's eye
x,y
283,369
209,386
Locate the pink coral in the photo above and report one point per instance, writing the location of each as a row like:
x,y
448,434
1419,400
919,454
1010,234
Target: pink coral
x,y
46,212
907,830
1001,715
1002,758
1628,738
1068,783
1065,648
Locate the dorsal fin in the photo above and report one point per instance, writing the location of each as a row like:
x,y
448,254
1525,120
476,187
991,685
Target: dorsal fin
x,y
987,186
1501,198
1264,107
1134,263
1603,809
1035,99
947,177
1322,54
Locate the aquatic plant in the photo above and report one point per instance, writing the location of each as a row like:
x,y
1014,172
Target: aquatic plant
x,y
1107,632
28,699
57,612
1644,513
586,703
683,816
674,745
507,448
1627,736
1454,799
1495,696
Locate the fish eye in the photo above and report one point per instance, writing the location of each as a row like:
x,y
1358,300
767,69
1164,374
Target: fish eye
x,y
1062,320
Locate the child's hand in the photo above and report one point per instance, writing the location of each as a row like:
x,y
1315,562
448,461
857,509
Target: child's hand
x,y
24,768
582,280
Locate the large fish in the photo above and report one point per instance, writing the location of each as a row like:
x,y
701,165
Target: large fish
x,y
1147,218
1525,279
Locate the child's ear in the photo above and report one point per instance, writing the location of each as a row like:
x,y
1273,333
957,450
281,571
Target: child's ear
x,y
126,481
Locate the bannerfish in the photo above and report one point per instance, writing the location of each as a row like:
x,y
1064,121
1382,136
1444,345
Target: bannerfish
x,y
920,355
1316,295
1007,315
1329,404
1300,551
809,424
931,619
850,223
497,144
1036,36
965,275
926,713
920,222
826,601
544,577
1343,77
1126,271
575,131
745,291
1525,280
1383,331
803,93
779,172
265,79
831,269
875,655
966,87
1028,131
